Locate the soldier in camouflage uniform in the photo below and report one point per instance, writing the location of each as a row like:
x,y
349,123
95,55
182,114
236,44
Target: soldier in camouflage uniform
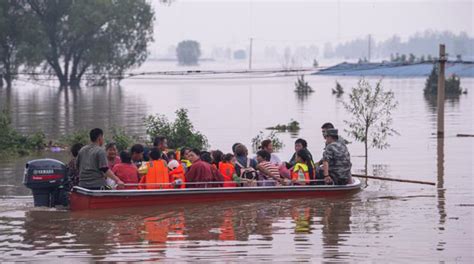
x,y
336,160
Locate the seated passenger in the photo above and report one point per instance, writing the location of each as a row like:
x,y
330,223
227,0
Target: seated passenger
x,y
176,173
216,175
125,170
227,169
268,172
336,160
244,166
216,156
184,159
268,147
299,145
112,157
301,171
136,151
156,175
199,172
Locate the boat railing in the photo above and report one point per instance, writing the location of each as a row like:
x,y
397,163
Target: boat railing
x,y
214,184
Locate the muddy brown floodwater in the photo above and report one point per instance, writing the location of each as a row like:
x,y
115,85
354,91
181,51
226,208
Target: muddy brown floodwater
x,y
386,221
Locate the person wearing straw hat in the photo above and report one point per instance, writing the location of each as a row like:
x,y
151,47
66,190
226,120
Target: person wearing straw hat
x,y
336,160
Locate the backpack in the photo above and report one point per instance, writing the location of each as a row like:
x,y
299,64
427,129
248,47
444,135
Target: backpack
x,y
247,172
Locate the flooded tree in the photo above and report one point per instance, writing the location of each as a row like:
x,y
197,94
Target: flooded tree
x,y
77,36
188,52
16,30
371,120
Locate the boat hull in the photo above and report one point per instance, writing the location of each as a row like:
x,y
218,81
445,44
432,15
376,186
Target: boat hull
x,y
85,199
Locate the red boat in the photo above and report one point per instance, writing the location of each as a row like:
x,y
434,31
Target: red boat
x,y
85,199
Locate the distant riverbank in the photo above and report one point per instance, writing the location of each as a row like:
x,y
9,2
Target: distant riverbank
x,y
396,69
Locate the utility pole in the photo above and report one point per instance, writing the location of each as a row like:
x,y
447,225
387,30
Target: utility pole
x,y
370,40
441,83
250,54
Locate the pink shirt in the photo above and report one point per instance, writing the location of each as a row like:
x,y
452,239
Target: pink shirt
x,y
127,172
115,162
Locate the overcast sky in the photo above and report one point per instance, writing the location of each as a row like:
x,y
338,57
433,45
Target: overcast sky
x,y
280,23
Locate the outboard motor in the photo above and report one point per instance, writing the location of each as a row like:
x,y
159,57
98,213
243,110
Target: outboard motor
x,y
47,178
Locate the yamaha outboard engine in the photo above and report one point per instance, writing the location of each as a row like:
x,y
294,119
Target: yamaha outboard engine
x,y
47,178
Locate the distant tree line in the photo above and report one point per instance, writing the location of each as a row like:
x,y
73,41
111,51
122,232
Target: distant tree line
x,y
420,44
70,39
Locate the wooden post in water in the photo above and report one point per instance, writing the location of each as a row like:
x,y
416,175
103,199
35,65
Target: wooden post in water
x,y
441,83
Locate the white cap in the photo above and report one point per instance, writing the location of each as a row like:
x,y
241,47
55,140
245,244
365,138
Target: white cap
x,y
173,164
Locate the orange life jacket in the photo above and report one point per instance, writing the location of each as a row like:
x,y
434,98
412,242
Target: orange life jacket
x,y
157,173
178,173
300,167
227,170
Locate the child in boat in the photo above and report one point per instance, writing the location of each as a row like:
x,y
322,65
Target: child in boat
x,y
176,173
156,175
126,170
301,171
227,169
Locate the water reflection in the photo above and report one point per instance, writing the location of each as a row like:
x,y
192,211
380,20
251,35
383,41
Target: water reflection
x,y
440,183
432,101
59,111
106,234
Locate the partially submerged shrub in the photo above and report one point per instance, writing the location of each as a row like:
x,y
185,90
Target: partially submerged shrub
x,y
180,133
293,126
452,84
302,86
12,142
276,142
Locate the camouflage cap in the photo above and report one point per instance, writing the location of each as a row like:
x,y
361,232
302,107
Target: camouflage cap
x,y
331,132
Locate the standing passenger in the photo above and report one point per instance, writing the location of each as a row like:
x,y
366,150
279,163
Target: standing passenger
x,y
92,163
72,170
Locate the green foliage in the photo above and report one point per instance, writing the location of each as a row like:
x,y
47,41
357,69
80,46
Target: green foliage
x,y
302,86
121,139
180,133
293,126
74,37
371,109
452,84
16,30
276,142
79,136
188,52
12,142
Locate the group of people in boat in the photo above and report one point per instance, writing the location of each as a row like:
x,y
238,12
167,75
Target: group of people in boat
x,y
155,167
